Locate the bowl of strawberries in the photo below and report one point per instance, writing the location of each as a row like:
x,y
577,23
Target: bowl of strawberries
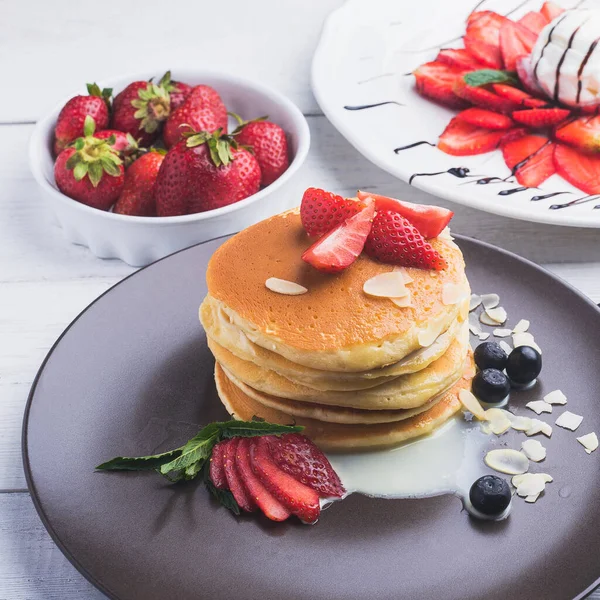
x,y
149,165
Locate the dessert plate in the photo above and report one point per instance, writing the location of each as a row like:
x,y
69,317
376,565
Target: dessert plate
x,y
133,375
361,77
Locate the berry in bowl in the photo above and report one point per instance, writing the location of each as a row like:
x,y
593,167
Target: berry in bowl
x,y
163,164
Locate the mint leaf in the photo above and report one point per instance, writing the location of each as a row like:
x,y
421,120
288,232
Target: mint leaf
x,y
224,497
139,463
487,76
231,429
199,448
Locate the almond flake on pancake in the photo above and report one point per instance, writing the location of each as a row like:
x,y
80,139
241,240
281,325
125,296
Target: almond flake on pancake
x,y
407,278
474,302
555,397
453,293
282,286
506,460
505,346
470,402
502,332
539,406
533,450
498,420
589,441
497,315
490,301
569,420
404,301
484,336
539,426
386,285
522,326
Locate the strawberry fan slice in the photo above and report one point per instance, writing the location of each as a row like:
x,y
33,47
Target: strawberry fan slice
x,y
530,159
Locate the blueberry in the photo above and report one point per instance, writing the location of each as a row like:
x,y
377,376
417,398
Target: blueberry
x,y
490,355
524,364
490,495
491,386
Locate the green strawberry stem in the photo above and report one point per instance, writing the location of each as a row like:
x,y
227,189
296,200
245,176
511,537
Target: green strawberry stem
x,y
220,145
242,123
153,105
106,93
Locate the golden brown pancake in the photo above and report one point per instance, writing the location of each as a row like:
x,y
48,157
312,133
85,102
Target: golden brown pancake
x,y
335,326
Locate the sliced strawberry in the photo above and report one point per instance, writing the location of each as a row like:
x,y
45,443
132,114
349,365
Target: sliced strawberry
x,y
234,482
579,169
513,134
482,38
298,498
272,508
515,41
534,21
429,220
524,71
518,96
395,240
480,117
463,139
435,80
217,466
530,159
582,133
487,54
551,10
541,117
322,211
458,57
483,97
339,248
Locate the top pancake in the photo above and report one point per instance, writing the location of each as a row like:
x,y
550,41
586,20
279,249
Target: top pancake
x,y
335,326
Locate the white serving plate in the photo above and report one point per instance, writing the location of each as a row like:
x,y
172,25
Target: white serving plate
x,y
366,53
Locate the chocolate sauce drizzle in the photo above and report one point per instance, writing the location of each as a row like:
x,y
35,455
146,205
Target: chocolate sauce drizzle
x,y
561,61
546,196
546,45
512,191
460,172
576,202
413,145
487,180
582,67
364,106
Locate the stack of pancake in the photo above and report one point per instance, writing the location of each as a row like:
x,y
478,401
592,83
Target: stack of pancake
x,y
358,371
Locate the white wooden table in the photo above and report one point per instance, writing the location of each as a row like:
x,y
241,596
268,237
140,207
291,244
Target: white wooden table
x,y
47,50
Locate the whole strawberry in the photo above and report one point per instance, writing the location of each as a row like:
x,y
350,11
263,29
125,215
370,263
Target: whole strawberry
x,y
205,171
178,91
69,125
202,110
90,171
268,143
123,143
141,108
137,197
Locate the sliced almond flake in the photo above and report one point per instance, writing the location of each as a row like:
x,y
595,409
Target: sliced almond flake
x,y
539,426
569,420
463,312
404,302
531,499
555,397
505,460
498,315
471,403
407,278
525,339
386,285
531,486
522,326
502,333
486,320
484,336
519,423
453,293
282,286
474,326
474,302
498,420
589,441
490,301
533,450
539,406
505,346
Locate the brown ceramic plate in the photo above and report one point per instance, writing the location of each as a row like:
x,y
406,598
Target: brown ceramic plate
x,y
133,375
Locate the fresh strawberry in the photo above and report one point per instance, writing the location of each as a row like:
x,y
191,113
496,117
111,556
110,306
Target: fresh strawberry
x,y
551,10
534,21
482,38
217,466
513,134
178,91
429,220
270,506
90,171
140,110
339,248
298,498
518,96
234,482
435,80
268,144
69,124
137,197
459,58
395,240
202,110
582,133
579,169
299,457
515,41
480,117
525,73
463,139
123,143
530,159
321,211
202,172
484,98
541,117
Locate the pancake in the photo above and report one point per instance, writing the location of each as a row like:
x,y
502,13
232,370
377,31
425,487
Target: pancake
x,y
408,391
233,339
338,437
335,326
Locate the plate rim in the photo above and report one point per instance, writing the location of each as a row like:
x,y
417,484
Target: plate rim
x,y
30,397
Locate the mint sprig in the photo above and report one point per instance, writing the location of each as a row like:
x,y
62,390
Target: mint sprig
x,y
487,76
